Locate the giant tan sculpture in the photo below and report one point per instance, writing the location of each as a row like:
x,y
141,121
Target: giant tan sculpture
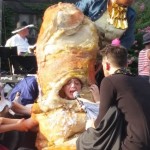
x,y
67,46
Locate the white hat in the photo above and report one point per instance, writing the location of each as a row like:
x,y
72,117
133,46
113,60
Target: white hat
x,y
21,26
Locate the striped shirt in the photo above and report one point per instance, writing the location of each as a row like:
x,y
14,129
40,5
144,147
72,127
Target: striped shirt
x,y
143,63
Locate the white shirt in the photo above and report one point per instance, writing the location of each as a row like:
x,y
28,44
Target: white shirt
x,y
17,40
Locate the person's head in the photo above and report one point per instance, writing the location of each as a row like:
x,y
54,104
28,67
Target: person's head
x,y
24,32
74,84
123,2
113,58
22,28
146,38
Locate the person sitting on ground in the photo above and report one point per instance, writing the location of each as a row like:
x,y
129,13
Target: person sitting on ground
x,y
27,90
19,39
130,95
13,110
10,109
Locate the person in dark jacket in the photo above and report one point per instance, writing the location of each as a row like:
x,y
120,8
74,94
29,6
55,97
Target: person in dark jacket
x,y
121,89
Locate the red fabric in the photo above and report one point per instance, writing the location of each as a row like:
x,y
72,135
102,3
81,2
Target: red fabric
x,y
3,147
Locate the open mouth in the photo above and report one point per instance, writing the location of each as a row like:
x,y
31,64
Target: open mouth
x,y
71,93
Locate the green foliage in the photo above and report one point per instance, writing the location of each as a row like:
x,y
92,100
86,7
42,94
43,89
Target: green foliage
x,y
142,8
9,22
36,8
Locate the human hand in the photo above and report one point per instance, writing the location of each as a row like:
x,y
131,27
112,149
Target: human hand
x,y
21,109
31,48
89,124
95,92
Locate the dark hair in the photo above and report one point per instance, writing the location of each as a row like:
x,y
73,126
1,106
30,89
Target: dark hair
x,y
146,38
117,55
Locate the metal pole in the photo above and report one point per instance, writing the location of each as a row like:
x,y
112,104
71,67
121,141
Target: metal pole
x,y
1,8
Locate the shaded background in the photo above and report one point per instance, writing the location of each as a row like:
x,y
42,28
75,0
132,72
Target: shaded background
x,y
32,11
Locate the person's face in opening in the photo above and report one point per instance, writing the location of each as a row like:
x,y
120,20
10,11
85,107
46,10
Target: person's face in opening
x,y
72,85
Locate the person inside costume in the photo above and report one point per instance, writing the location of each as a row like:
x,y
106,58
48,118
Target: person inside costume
x,y
122,90
113,19
73,85
70,87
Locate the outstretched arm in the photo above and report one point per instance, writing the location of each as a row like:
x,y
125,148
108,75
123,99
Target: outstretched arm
x,y
30,124
7,124
21,109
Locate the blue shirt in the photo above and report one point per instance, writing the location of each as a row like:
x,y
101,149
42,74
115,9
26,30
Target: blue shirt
x,y
28,89
94,10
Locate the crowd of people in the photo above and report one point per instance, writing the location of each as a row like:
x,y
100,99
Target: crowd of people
x,y
123,120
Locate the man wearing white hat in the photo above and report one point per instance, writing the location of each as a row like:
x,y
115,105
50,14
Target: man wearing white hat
x,y
19,38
